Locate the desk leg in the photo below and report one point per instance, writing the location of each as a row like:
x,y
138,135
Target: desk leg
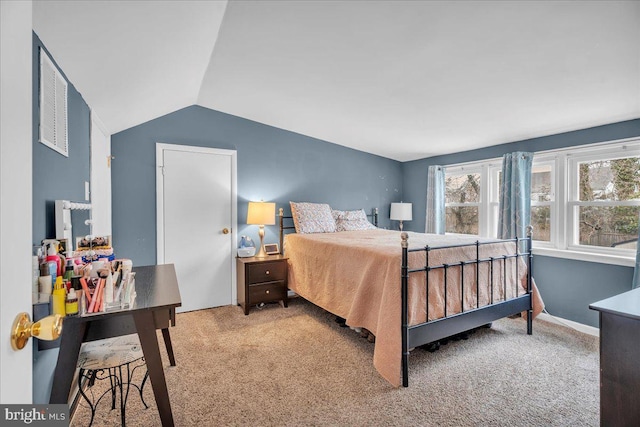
x,y
167,344
70,342
172,317
149,342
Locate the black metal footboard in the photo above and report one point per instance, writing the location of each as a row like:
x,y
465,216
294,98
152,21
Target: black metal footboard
x,y
434,330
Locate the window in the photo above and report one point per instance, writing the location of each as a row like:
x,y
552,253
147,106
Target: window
x,y
604,200
585,201
543,208
53,106
471,202
462,202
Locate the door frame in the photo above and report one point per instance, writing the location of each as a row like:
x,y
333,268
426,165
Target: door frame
x,y
233,154
16,187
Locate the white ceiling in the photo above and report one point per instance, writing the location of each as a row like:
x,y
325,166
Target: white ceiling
x,y
404,80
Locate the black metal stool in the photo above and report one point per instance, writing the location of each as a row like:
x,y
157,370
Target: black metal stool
x,y
107,359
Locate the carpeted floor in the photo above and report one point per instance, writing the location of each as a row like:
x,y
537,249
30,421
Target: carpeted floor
x,y
297,367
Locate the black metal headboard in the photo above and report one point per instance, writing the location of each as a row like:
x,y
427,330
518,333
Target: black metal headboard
x,y
283,228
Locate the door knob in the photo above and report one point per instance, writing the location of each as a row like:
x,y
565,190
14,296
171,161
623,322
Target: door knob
x,y
47,329
225,231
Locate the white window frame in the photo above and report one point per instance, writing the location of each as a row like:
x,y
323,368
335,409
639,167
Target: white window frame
x,y
488,173
493,169
573,203
555,214
564,199
565,228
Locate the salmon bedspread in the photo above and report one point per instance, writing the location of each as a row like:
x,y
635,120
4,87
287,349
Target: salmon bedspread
x,y
357,275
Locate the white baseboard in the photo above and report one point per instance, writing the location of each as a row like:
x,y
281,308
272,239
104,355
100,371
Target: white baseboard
x,y
569,323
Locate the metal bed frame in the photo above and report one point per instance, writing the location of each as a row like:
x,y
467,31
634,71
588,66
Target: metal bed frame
x,y
449,325
434,330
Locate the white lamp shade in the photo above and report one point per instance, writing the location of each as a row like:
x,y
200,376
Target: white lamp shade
x,y
401,212
261,213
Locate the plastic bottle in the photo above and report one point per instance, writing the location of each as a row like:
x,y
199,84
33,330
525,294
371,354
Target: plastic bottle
x,y
68,273
53,271
52,255
71,305
44,284
58,297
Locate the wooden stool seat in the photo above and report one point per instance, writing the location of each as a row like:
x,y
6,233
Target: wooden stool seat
x,y
105,359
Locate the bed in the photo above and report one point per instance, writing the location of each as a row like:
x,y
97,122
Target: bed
x,y
409,289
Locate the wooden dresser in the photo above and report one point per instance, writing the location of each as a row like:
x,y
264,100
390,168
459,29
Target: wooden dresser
x,y
262,280
619,359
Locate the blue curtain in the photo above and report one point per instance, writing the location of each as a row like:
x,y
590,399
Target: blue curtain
x,y
636,271
515,195
435,200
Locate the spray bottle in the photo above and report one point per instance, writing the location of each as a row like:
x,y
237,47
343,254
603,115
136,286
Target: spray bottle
x,y
52,256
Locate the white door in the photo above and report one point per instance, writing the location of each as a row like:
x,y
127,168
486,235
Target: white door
x,y
15,190
100,178
197,222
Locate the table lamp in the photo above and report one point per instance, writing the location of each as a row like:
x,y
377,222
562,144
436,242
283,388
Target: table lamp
x,y
261,214
401,212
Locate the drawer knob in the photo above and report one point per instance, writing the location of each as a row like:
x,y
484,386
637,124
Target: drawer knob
x,y
268,271
267,291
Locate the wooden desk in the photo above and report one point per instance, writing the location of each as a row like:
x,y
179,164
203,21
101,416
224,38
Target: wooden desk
x,y
619,363
156,301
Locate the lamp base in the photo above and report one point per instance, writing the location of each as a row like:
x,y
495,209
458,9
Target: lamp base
x,y
261,253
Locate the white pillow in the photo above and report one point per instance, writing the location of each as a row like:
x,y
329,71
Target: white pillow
x,y
351,220
312,217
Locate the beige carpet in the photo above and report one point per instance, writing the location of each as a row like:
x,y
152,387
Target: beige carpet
x,y
297,367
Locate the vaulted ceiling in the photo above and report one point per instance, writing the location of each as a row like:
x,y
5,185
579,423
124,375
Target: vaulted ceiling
x,y
403,80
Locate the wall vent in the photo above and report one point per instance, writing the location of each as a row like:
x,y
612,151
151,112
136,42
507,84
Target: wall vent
x,y
53,106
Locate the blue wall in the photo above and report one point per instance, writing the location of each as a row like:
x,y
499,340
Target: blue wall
x,y
55,177
567,286
273,164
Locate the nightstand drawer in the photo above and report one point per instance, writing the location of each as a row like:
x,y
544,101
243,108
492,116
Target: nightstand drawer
x,y
270,291
266,272
262,280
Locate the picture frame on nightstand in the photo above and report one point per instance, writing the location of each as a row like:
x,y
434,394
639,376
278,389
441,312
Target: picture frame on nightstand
x,y
271,248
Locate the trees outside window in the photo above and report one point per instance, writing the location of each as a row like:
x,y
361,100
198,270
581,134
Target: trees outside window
x,y
584,200
542,198
609,199
462,202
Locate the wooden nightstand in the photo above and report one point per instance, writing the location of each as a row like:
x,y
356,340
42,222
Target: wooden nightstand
x,y
262,280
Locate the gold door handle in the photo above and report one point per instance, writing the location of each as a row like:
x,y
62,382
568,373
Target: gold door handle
x,y
47,329
225,231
